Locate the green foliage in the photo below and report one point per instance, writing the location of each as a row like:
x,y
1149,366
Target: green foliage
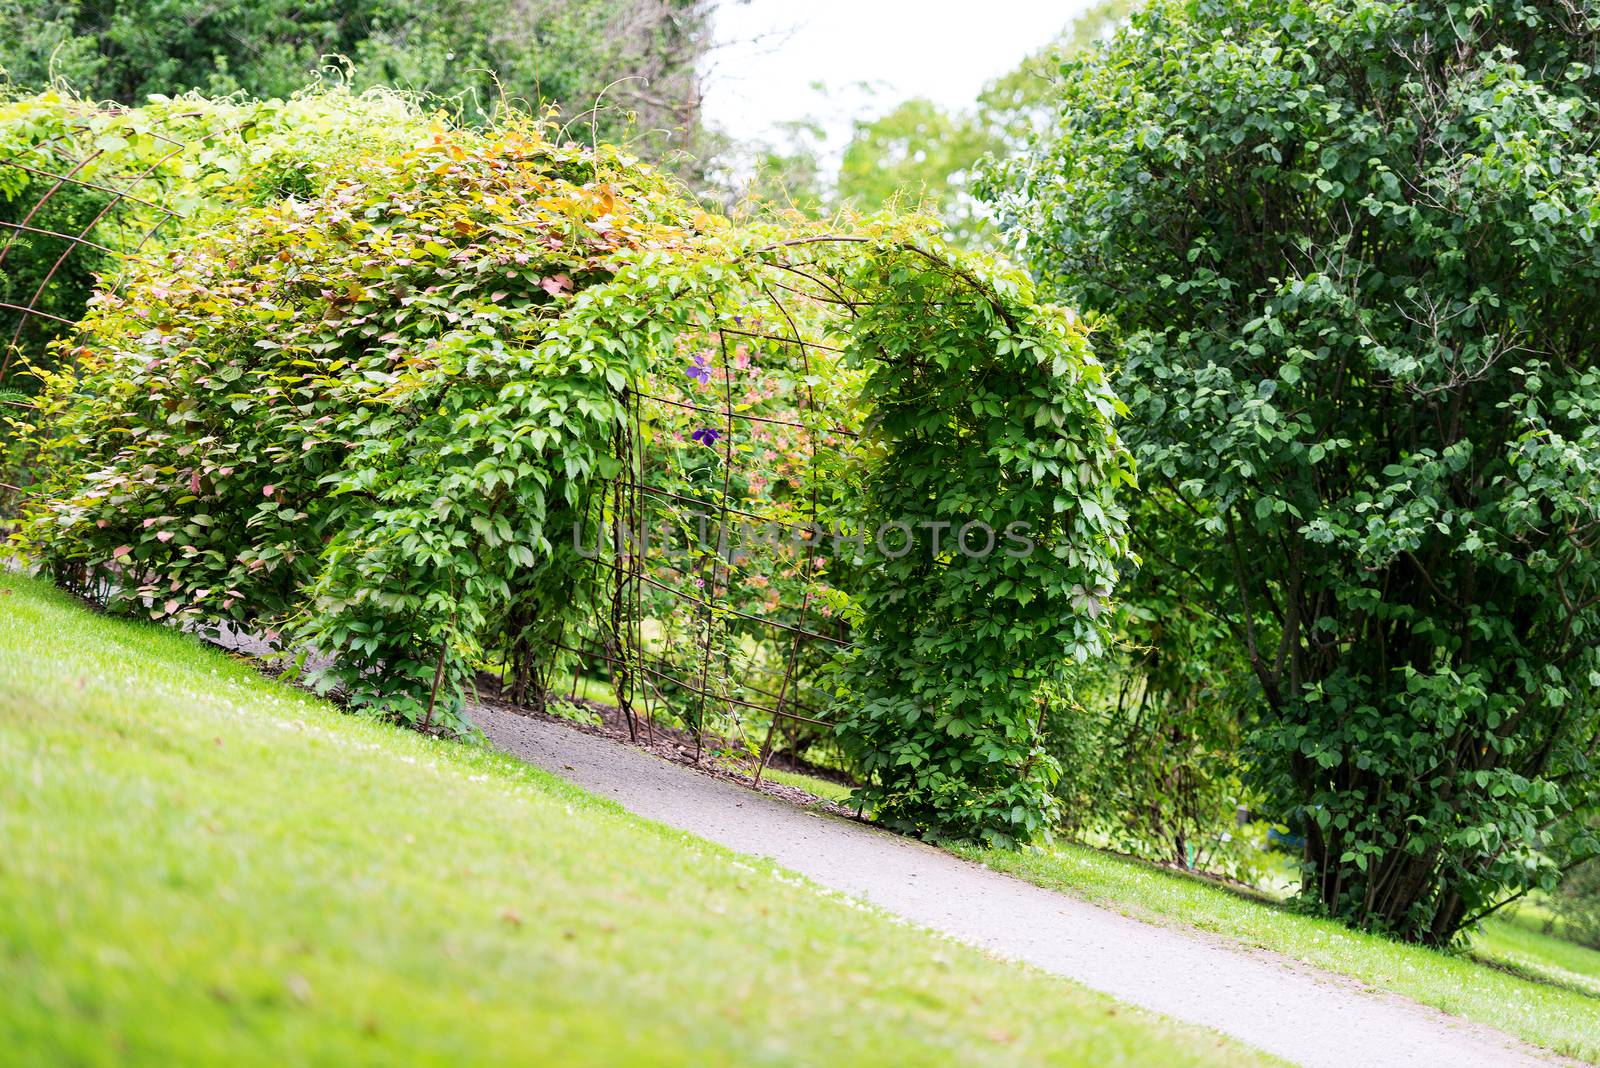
x,y
359,417
41,271
1350,246
1575,904
989,407
126,51
1148,752
468,51
129,181
367,401
1149,749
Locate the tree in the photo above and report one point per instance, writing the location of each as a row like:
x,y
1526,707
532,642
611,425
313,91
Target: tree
x,y
1350,249
926,155
921,153
637,56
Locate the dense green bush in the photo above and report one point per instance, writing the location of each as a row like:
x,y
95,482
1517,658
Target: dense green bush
x,y
1351,247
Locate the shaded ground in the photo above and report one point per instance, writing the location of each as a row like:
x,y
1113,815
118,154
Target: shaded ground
x,y
1299,1013
720,758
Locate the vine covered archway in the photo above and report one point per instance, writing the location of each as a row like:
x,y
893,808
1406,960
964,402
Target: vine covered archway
x,y
869,495
492,401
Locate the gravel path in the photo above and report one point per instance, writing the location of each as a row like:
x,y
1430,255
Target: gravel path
x,y
1298,1013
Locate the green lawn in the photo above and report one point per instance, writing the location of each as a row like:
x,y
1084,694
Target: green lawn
x,y
204,866
1561,1017
1517,940
826,789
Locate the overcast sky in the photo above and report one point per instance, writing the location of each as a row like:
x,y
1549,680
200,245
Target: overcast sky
x,y
771,51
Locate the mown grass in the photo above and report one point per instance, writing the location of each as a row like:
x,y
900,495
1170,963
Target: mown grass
x,y
826,789
204,866
1561,1017
1518,941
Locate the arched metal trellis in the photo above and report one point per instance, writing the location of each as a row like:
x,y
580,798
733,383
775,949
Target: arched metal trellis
x,y
718,557
719,610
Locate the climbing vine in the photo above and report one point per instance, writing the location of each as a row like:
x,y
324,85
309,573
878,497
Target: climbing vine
x,y
402,413
82,187
353,418
990,501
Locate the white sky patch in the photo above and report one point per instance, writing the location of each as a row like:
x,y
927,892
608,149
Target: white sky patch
x,y
870,55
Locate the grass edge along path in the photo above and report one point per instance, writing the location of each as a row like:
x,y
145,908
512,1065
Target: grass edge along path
x,y
203,864
1554,1017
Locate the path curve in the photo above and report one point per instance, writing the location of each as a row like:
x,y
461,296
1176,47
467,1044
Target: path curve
x,y
1296,1012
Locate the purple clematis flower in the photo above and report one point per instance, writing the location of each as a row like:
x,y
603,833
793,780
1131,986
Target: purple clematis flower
x,y
699,369
706,435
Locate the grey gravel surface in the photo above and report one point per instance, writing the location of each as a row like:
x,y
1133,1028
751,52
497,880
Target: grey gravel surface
x,y
1298,1013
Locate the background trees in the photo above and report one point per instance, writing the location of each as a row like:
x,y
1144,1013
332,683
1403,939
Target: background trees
x,y
923,155
636,56
1350,252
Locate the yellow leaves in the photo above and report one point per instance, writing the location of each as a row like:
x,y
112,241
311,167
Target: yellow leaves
x,y
706,223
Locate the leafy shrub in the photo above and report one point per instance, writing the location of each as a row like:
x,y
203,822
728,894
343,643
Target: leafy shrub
x,y
1351,248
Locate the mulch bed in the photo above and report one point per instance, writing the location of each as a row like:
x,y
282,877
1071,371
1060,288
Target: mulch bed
x,y
719,757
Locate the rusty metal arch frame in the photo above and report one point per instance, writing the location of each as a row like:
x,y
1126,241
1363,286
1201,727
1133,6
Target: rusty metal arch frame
x,y
612,643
